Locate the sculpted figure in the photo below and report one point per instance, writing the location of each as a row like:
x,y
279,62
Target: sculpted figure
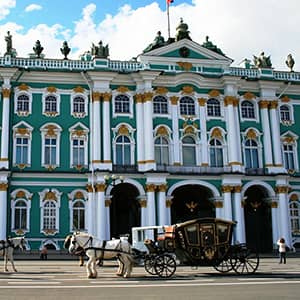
x,y
8,40
65,50
290,62
182,31
157,42
100,51
38,49
262,61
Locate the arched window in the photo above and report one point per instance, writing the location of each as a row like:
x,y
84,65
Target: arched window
x,y
285,113
187,106
251,154
78,104
161,146
160,105
123,150
49,215
213,107
295,216
188,151
78,212
23,103
20,215
247,109
50,104
216,153
122,104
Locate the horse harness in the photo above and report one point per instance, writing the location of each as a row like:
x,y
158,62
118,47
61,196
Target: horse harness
x,y
5,244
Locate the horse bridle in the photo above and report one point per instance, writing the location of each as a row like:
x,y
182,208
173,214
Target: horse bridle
x,y
90,240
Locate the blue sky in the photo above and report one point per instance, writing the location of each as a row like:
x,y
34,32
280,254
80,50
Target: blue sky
x,y
241,28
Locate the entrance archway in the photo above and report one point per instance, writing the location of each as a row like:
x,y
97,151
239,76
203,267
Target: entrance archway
x,y
258,219
124,210
191,201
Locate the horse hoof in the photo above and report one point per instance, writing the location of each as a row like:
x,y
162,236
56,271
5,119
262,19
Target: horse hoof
x,y
118,274
90,276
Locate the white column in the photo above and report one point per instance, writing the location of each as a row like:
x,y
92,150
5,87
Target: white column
x,y
5,128
227,205
96,131
107,163
284,220
107,211
151,211
101,221
91,210
168,209
143,204
140,132
3,210
218,203
275,222
240,234
268,155
148,132
275,130
203,132
233,156
175,128
162,205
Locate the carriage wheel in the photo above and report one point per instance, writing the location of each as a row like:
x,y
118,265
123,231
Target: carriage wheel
x,y
149,265
224,266
245,261
165,265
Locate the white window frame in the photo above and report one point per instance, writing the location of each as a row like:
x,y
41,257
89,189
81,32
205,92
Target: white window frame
x,y
195,107
291,113
27,129
196,147
221,109
23,195
56,134
292,217
168,107
79,114
19,93
216,147
255,109
118,114
289,138
54,196
52,113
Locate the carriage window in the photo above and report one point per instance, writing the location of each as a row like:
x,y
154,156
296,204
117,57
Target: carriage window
x,y
192,234
223,231
207,235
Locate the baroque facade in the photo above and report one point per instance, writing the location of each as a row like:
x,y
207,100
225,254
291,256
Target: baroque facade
x,y
103,146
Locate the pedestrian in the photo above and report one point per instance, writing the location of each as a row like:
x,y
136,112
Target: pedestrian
x,y
282,250
44,253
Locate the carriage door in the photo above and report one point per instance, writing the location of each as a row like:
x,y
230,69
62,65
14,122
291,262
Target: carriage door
x,y
208,243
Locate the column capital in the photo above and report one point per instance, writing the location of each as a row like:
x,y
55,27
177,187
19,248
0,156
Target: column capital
x,y
227,188
96,96
6,92
106,97
237,188
231,100
282,189
143,203
139,98
150,187
201,101
147,96
273,104
162,187
3,187
169,203
89,188
174,100
263,104
100,187
218,204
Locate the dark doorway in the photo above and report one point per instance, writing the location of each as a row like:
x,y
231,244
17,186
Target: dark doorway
x,y
124,210
190,202
258,219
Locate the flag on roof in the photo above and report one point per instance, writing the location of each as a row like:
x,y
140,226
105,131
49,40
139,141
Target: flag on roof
x,y
170,1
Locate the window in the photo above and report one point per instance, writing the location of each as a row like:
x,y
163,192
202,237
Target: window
x,y
50,104
122,104
295,216
50,151
160,105
161,147
78,212
285,113
49,215
23,103
213,108
188,151
78,105
123,150
22,151
20,215
187,106
78,152
289,156
251,154
247,109
216,153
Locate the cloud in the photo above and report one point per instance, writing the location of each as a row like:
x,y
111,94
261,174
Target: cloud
x,y
5,6
33,7
240,28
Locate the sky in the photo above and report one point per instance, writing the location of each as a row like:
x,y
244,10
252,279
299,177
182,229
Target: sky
x,y
241,28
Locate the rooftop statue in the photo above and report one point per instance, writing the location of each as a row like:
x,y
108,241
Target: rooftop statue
x,y
182,31
290,62
8,40
262,61
100,51
209,45
159,41
38,49
65,50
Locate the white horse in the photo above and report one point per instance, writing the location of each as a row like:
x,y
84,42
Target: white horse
x,y
96,249
7,250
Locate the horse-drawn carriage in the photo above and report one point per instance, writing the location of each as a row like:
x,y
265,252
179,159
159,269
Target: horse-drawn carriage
x,y
199,242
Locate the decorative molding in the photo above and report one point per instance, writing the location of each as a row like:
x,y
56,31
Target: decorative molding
x,y
50,196
162,187
100,187
294,197
218,204
169,203
3,187
187,89
51,89
161,90
139,98
174,100
89,188
122,89
162,130
217,133
78,89
5,93
22,131
150,188
227,188
123,130
282,189
186,66
251,134
231,100
273,104
23,87
147,96
248,96
263,104
237,189
143,203
214,93
201,101
106,97
285,99
96,96
274,204
108,202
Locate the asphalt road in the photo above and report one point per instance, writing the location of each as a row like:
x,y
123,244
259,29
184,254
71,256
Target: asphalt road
x,y
57,280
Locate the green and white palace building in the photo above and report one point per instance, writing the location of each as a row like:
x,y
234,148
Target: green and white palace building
x,y
102,146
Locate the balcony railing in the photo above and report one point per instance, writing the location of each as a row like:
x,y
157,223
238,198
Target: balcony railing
x,y
124,168
193,170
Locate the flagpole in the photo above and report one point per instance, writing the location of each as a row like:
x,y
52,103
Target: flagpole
x,y
168,14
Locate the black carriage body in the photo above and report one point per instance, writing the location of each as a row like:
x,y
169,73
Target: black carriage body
x,y
198,242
